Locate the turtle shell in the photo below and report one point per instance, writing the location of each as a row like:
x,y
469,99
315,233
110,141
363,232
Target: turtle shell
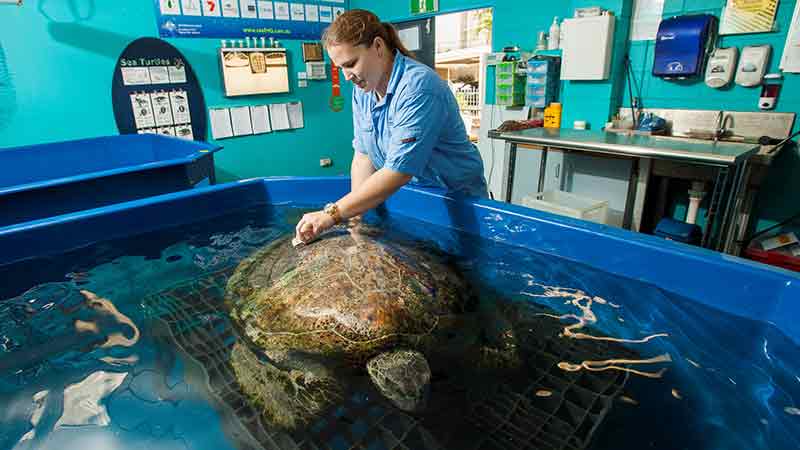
x,y
353,293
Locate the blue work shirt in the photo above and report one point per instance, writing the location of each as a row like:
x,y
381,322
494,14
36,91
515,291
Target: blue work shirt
x,y
416,129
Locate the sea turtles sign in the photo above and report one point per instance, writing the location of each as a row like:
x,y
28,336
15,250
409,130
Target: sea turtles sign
x,y
242,18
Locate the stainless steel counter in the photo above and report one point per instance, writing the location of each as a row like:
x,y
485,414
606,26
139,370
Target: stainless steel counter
x,y
721,153
729,160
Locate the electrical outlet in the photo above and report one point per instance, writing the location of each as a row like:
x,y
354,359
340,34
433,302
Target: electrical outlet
x,y
325,162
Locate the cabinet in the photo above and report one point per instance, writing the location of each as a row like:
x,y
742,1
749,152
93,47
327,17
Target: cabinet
x,y
587,48
601,177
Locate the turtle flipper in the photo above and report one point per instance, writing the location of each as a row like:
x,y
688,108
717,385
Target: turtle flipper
x,y
402,376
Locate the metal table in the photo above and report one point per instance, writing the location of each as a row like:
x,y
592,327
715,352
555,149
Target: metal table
x,y
729,159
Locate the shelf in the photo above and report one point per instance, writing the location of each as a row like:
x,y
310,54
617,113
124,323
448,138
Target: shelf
x,y
551,53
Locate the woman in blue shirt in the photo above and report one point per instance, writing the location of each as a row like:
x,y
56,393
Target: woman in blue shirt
x,y
407,125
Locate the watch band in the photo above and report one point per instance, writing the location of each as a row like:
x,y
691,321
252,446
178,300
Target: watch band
x,y
332,209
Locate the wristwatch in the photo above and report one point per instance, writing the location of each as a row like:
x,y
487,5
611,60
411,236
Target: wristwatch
x,y
332,209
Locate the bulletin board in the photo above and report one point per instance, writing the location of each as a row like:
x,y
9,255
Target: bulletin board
x,y
241,18
155,90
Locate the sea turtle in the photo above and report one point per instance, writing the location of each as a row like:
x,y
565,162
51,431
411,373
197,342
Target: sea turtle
x,y
352,299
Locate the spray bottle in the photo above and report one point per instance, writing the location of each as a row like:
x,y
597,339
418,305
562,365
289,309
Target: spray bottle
x,y
554,40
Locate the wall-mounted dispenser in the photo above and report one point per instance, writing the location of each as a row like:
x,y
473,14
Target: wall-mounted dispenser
x,y
721,67
683,44
752,65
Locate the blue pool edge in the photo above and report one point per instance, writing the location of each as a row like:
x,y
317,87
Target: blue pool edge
x,y
731,284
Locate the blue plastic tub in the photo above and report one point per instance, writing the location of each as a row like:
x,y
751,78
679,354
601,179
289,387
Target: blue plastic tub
x,y
730,284
45,180
728,325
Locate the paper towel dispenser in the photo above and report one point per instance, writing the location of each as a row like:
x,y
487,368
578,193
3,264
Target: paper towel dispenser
x,y
683,44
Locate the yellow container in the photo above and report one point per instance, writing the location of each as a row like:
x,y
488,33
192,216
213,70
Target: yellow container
x,y
552,116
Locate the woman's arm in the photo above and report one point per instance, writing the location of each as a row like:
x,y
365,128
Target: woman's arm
x,y
360,169
369,194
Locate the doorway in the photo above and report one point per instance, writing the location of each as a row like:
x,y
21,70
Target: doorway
x,y
452,45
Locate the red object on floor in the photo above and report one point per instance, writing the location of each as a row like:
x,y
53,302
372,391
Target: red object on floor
x,y
773,258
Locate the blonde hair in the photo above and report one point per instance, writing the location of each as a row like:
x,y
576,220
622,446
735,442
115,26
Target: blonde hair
x,y
361,27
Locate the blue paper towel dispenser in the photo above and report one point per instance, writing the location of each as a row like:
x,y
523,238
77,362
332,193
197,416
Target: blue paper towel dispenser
x,y
682,45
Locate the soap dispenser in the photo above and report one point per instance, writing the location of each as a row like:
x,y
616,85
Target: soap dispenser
x,y
752,65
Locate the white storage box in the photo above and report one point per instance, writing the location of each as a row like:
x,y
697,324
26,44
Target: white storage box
x,y
568,204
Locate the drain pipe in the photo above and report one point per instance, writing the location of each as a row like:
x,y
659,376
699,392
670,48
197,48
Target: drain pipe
x,y
696,195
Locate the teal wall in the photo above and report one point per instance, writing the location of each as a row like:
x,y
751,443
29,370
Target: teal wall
x,y
57,59
518,22
595,101
56,65
778,198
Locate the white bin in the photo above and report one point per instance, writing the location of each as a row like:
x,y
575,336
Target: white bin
x,y
569,204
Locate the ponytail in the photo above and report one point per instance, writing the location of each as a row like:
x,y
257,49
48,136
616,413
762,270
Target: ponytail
x,y
361,27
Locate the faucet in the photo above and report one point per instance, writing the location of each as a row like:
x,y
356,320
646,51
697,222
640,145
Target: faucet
x,y
722,130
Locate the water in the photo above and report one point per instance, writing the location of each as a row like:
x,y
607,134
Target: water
x,y
129,369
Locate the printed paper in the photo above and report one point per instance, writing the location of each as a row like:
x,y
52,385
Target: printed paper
x,y
179,101
142,110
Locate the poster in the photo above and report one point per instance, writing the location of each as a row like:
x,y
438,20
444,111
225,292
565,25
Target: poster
x,y
179,102
748,16
646,19
790,59
161,108
231,19
265,10
154,90
142,110
191,7
325,14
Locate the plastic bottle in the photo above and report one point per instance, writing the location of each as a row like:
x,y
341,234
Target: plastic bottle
x,y
554,40
552,115
542,43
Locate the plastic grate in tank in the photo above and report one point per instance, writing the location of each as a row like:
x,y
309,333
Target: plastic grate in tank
x,y
500,415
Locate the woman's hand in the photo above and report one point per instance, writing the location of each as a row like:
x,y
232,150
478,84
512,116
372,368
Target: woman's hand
x,y
312,225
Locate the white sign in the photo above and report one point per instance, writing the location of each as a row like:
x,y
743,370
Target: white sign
x,y
170,7
240,119
265,10
177,74
211,8
325,14
282,11
260,117
134,76
220,123
312,13
298,12
410,38
179,101
142,110
191,7
249,9
230,8
790,61
184,131
159,75
295,110
167,131
646,19
279,116
161,108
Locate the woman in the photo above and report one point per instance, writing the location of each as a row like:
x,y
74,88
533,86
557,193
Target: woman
x,y
406,119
